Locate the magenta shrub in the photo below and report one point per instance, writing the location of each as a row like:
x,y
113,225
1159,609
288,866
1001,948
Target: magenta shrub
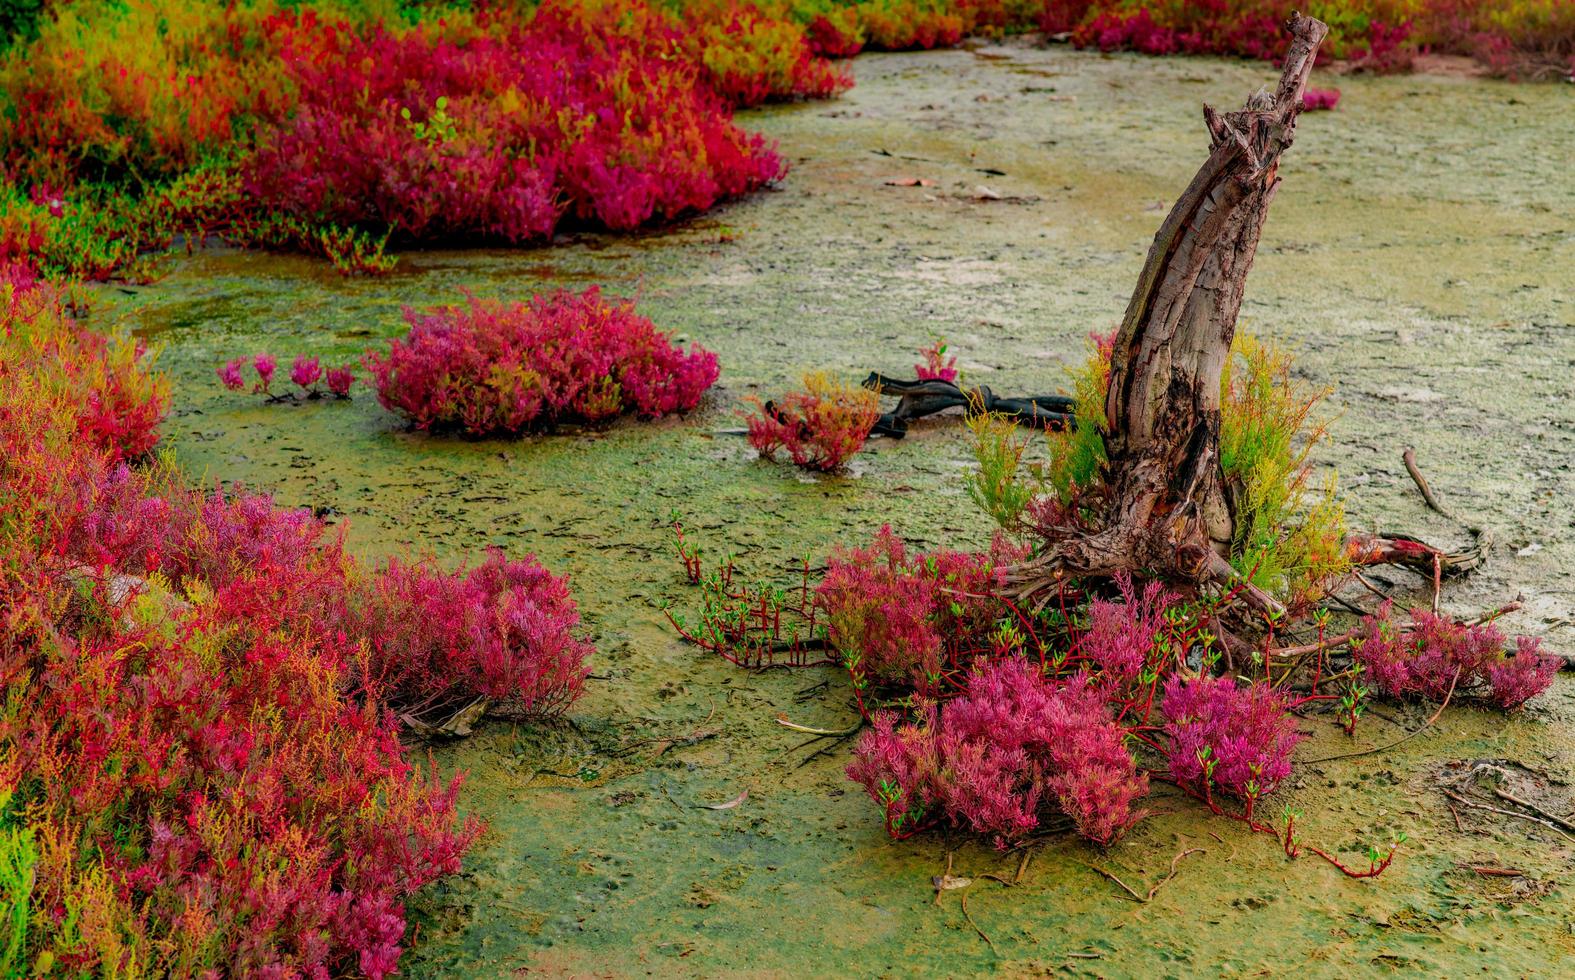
x,y
339,380
1122,636
503,133
1227,738
936,366
1434,655
305,372
996,756
214,785
912,620
1522,675
264,365
1316,99
820,427
230,374
502,630
505,368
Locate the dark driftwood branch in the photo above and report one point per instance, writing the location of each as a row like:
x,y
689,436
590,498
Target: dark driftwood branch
x,y
1168,507
920,398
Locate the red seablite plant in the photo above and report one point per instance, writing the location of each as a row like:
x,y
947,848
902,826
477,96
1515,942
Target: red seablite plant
x,y
117,403
339,380
505,368
500,134
1121,636
1315,99
502,630
1521,676
264,365
994,757
230,374
1435,656
305,372
912,620
1229,738
819,427
210,772
936,366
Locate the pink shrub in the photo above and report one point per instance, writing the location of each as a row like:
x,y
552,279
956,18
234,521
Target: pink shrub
x,y
339,380
819,428
1316,99
505,368
500,134
502,630
230,374
1222,737
936,366
993,758
910,620
1433,657
264,365
1122,636
117,402
210,788
1521,676
305,372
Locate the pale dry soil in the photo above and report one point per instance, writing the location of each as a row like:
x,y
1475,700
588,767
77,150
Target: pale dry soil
x,y
1418,257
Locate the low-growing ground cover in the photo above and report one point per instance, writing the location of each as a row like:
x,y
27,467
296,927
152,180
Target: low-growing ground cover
x,y
340,128
200,759
1101,785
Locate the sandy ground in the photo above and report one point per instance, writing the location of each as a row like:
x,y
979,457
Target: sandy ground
x,y
1418,257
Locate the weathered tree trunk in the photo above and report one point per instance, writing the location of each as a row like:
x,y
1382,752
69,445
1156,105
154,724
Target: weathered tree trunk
x,y
1168,509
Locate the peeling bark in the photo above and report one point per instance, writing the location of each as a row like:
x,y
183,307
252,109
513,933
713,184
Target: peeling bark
x,y
1168,510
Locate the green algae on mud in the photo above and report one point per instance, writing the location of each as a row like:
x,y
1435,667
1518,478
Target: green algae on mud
x,y
1415,259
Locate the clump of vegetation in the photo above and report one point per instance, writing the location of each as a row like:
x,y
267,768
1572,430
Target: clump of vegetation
x,y
336,129
1227,738
1320,99
916,621
819,427
936,366
1289,536
305,373
996,754
495,368
1523,37
118,402
998,485
202,769
501,631
1434,657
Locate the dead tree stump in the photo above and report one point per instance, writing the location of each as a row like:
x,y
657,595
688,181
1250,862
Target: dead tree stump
x,y
1168,512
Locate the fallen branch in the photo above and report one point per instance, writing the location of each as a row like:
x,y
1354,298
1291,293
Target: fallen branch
x,y
782,720
1511,797
1409,457
1509,813
1124,886
1173,863
917,399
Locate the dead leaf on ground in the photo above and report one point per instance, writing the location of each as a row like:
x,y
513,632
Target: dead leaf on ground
x,y
910,182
